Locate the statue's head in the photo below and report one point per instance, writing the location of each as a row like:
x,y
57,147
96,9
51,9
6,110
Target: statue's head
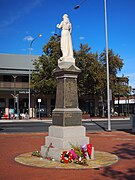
x,y
65,16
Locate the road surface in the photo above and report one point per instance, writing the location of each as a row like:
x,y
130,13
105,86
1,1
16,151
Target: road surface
x,y
42,126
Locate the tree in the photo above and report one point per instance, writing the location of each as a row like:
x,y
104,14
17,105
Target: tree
x,y
89,80
115,65
43,79
118,85
92,79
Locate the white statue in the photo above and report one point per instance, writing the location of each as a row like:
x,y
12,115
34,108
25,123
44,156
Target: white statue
x,y
66,41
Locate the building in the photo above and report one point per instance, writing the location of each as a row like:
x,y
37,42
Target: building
x,y
14,87
125,105
14,92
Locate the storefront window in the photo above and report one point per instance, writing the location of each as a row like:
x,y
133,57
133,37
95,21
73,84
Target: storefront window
x,y
87,106
2,105
7,78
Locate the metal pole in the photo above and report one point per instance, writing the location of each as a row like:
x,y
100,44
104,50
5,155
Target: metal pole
x,y
29,81
107,64
107,68
17,112
39,110
14,76
14,93
30,52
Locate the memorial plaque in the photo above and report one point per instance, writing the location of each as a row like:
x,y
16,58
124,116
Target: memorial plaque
x,y
70,118
70,93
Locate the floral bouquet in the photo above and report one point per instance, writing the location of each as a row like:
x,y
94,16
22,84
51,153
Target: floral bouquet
x,y
77,154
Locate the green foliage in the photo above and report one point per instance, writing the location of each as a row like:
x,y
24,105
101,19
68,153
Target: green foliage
x,y
36,153
91,80
121,87
52,48
77,150
115,65
43,79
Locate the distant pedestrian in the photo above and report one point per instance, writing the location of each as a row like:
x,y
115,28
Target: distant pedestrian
x,y
0,115
26,116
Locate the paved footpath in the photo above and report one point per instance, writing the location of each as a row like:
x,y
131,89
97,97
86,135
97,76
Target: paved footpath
x,y
120,143
50,119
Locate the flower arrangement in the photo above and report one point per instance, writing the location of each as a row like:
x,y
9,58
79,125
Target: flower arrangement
x,y
36,153
66,157
47,151
77,154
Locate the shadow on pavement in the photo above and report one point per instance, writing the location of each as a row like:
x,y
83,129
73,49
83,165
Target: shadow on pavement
x,y
103,128
125,151
127,131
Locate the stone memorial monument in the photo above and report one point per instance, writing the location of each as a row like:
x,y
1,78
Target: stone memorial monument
x,y
66,128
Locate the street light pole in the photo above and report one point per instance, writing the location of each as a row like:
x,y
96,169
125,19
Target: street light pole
x,y
14,76
30,53
107,63
107,68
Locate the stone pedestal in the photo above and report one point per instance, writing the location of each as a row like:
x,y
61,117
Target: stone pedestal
x,y
66,112
67,126
62,138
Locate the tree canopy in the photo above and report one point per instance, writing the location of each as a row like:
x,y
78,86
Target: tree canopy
x,y
91,80
43,79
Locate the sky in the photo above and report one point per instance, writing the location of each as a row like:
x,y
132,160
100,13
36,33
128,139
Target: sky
x,y
22,20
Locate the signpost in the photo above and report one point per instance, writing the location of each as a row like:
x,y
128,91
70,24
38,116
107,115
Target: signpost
x,y
39,101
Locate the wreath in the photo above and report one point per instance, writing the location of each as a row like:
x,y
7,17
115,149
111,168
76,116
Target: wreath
x,y
66,157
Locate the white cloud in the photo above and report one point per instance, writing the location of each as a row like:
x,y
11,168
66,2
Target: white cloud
x,y
9,21
26,9
23,49
28,38
132,75
81,38
30,49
